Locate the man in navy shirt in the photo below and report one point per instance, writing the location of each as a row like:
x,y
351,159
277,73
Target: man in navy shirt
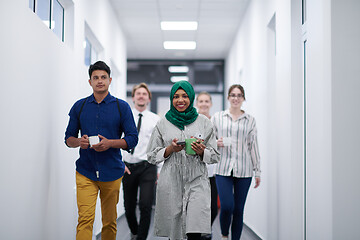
x,y
100,166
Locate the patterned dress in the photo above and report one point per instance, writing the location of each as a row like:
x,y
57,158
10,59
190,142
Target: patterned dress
x,y
183,189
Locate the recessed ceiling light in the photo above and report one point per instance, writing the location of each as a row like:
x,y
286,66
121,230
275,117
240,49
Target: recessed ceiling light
x,y
188,45
178,69
179,78
177,25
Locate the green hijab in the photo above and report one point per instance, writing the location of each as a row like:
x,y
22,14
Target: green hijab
x,y
181,119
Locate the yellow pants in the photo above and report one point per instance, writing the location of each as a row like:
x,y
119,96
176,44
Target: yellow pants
x,y
87,192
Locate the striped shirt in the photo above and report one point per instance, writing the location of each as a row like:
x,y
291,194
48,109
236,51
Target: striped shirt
x,y
242,156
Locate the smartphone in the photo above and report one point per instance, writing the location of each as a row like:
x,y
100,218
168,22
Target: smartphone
x,y
180,143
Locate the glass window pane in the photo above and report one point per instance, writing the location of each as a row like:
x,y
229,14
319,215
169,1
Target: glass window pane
x,y
94,55
57,24
31,5
43,11
87,47
304,15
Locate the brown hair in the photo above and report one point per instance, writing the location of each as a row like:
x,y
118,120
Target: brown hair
x,y
141,85
203,93
236,86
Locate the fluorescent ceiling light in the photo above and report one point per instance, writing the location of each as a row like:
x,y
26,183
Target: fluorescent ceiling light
x,y
175,79
172,25
189,45
178,69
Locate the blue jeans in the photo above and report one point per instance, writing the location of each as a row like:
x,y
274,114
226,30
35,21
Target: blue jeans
x,y
232,193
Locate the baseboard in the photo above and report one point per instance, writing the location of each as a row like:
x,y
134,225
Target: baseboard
x,y
251,232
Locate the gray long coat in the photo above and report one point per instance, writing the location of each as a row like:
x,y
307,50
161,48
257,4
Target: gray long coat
x,y
183,189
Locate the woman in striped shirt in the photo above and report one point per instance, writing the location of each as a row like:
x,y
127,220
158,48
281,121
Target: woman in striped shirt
x,y
239,162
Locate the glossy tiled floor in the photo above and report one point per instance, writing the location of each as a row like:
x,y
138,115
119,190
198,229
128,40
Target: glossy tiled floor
x,y
123,232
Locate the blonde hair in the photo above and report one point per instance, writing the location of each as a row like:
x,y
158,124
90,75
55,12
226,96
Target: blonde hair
x,y
141,85
203,93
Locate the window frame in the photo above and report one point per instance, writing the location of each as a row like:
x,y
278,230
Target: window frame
x,y
50,21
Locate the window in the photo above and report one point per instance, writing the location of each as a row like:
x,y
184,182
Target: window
x,y
87,47
42,9
32,5
304,13
51,12
92,46
58,20
94,55
91,54
204,75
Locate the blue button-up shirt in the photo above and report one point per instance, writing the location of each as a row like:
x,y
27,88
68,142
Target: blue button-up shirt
x,y
105,119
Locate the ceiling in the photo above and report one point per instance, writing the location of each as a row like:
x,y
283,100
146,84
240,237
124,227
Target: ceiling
x,y
218,21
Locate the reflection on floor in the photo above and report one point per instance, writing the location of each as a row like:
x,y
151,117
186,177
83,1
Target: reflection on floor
x,y
123,232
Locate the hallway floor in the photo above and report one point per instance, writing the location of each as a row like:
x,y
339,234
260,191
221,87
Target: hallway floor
x,y
123,232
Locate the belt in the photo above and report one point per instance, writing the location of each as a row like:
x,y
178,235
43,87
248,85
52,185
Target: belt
x,y
136,164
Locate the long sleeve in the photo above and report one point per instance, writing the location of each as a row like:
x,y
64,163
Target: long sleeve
x,y
241,158
73,127
213,121
254,149
211,155
128,126
156,147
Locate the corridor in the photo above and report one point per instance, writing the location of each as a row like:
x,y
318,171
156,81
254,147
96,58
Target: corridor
x,y
298,61
123,232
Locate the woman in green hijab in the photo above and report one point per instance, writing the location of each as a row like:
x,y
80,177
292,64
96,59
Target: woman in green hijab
x,y
183,190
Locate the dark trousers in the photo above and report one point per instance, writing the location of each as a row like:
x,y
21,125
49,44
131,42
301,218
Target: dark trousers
x,y
214,197
193,236
143,176
232,193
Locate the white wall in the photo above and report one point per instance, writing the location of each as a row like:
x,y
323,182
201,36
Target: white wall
x,y
297,227
41,78
280,209
268,207
319,214
345,62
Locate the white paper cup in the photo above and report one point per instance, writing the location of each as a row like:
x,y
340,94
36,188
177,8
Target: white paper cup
x,y
93,140
227,141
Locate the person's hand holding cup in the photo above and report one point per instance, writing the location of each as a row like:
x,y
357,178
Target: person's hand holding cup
x,y
188,148
227,141
93,140
224,142
194,146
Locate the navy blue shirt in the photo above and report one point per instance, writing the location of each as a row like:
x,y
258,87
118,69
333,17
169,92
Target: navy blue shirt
x,y
105,119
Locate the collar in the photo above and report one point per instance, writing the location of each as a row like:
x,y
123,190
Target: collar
x,y
244,115
108,99
136,112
